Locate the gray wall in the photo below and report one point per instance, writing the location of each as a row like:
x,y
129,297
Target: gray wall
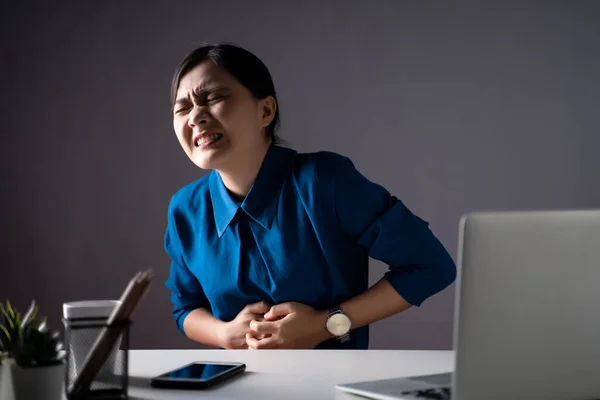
x,y
452,107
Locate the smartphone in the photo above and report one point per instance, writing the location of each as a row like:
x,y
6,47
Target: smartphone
x,y
198,375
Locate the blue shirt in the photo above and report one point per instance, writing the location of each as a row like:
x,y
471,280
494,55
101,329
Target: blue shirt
x,y
304,233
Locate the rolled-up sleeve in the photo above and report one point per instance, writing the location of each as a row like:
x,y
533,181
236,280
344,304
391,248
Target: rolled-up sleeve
x,y
419,265
186,292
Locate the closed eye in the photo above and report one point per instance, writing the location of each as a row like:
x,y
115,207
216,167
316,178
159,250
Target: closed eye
x,y
181,109
215,99
207,97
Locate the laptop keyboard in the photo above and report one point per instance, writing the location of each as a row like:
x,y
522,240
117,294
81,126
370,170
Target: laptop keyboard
x,y
442,393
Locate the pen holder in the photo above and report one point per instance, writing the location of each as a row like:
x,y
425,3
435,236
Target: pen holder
x,y
112,381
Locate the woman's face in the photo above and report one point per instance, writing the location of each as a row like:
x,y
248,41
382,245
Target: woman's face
x,y
217,120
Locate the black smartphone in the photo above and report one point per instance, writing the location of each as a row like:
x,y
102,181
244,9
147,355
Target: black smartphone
x,y
198,375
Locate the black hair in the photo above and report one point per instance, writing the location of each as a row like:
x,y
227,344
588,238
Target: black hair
x,y
247,68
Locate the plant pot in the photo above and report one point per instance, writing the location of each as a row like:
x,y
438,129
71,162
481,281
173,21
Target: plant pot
x,y
6,386
33,383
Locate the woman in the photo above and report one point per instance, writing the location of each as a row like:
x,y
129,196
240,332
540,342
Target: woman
x,y
270,249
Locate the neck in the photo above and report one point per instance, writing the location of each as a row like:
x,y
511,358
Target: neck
x,y
239,178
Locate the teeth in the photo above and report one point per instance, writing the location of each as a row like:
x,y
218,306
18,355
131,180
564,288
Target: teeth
x,y
207,138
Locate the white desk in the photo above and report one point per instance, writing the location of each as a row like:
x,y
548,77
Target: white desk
x,y
283,374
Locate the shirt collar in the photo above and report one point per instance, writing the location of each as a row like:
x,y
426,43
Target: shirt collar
x,y
262,199
224,206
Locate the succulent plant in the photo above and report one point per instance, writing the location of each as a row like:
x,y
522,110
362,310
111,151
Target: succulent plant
x,y
28,341
12,324
39,347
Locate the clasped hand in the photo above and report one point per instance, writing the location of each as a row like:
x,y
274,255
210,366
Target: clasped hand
x,y
282,326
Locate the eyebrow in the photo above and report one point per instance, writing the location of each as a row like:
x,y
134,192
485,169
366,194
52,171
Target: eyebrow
x,y
180,102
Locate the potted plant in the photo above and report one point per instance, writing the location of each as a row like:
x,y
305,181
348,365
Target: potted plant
x,y
37,355
6,327
5,379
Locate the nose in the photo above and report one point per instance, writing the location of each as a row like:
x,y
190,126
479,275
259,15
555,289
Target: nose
x,y
198,116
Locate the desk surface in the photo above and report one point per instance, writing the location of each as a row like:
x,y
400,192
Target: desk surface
x,y
284,374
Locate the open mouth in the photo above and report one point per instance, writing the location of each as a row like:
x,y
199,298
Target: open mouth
x,y
207,140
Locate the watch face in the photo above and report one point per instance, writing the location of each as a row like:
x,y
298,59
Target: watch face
x,y
338,324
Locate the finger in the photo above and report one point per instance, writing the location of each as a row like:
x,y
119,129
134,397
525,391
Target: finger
x,y
255,344
264,327
263,336
280,310
251,341
257,308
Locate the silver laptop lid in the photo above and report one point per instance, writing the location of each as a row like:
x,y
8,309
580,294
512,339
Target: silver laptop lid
x,y
528,306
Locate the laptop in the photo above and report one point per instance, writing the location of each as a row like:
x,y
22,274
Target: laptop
x,y
527,312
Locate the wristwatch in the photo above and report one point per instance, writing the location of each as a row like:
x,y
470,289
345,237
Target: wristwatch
x,y
339,324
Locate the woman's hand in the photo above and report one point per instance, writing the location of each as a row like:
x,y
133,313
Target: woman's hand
x,y
233,333
290,326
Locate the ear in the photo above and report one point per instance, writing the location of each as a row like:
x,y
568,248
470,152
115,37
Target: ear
x,y
269,106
